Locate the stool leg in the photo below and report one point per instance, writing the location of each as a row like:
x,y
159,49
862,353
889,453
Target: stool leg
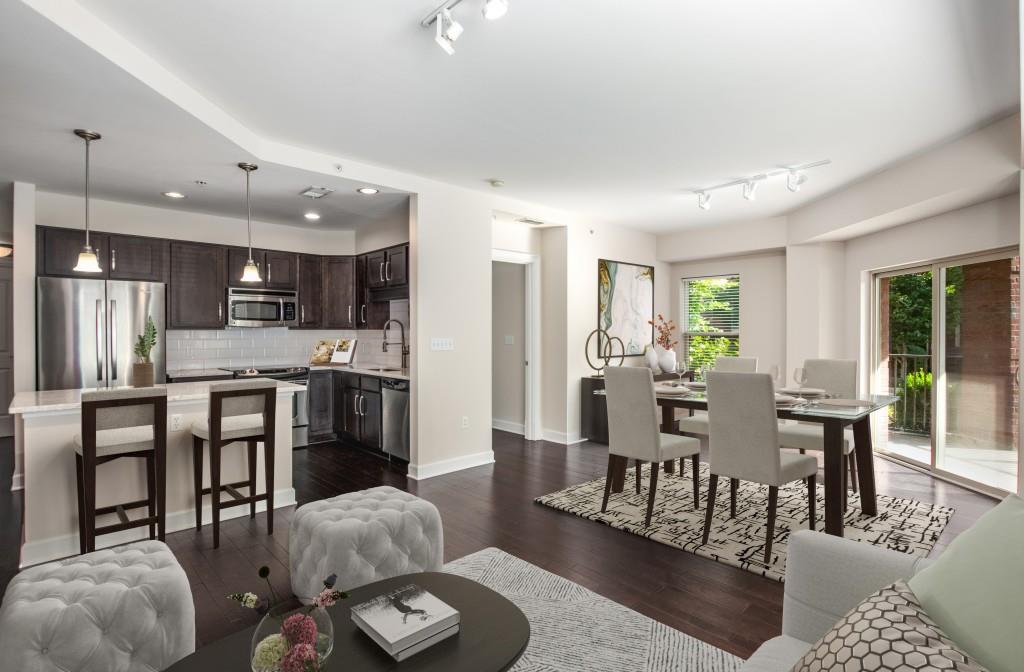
x,y
161,487
215,491
252,477
268,472
89,500
151,490
197,478
81,504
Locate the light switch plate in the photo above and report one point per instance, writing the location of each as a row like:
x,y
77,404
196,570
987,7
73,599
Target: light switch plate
x,y
510,340
177,423
442,344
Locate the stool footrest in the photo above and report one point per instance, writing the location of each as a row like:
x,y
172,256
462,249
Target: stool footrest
x,y
127,525
241,500
126,505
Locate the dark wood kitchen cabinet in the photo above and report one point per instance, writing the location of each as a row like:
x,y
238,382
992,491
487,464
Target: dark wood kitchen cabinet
x,y
311,291
138,258
375,262
196,289
320,390
396,268
357,409
341,311
282,270
372,314
370,418
57,252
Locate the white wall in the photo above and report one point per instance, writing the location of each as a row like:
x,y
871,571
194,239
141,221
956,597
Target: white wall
x,y
508,234
554,327
6,211
383,233
508,320
814,275
762,300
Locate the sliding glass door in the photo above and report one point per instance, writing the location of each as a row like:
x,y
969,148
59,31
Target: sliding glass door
x,y
946,342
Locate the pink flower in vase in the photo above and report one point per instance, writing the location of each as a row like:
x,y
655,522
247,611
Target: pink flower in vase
x,y
300,658
299,629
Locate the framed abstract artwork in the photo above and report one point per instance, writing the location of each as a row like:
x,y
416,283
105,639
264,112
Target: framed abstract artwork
x,y
625,304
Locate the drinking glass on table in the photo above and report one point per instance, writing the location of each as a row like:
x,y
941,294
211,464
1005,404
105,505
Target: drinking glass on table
x,y
800,377
680,369
776,372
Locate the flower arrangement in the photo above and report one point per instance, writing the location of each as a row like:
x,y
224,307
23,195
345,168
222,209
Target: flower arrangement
x,y
664,329
299,645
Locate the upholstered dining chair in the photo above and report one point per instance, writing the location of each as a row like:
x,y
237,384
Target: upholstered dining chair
x,y
744,445
838,377
633,432
697,423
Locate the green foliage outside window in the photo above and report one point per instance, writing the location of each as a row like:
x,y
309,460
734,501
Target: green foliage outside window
x,y
712,320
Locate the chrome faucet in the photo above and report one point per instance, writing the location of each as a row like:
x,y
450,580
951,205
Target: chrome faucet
x,y
405,347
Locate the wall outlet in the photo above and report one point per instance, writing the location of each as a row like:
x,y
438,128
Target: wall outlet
x,y
465,422
441,344
177,423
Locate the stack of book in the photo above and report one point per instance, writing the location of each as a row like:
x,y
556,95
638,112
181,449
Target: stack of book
x,y
406,621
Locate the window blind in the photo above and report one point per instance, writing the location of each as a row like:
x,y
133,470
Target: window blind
x,y
711,310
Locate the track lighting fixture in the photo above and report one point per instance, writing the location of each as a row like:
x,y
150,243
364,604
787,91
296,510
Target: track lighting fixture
x,y
495,9
447,29
796,175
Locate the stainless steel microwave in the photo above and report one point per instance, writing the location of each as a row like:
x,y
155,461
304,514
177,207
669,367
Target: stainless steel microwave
x,y
262,308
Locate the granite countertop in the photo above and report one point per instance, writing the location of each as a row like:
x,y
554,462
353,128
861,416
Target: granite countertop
x,y
68,400
365,370
199,373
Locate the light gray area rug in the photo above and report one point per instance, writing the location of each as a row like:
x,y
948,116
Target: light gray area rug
x,y
903,525
575,630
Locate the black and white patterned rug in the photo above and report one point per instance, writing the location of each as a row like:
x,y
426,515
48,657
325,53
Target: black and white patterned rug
x,y
575,630
903,525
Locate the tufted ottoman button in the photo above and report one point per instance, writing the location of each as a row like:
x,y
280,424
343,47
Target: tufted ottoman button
x,y
45,650
363,537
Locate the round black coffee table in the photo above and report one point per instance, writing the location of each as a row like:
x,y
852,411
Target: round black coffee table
x,y
492,635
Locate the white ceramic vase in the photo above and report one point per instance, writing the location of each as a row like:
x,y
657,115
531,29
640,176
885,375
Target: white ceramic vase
x,y
666,359
651,357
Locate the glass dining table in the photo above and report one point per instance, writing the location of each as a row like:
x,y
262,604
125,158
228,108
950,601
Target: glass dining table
x,y
835,415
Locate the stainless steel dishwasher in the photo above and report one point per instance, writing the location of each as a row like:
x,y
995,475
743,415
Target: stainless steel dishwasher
x,y
395,399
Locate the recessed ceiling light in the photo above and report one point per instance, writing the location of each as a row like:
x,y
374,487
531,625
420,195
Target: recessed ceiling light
x,y
311,216
497,184
368,191
315,192
173,194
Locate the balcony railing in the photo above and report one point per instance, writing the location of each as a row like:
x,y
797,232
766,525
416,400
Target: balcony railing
x,y
910,378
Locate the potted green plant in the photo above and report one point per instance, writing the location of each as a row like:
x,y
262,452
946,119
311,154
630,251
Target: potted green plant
x,y
142,370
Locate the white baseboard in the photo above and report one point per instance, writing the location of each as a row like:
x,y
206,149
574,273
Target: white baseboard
x,y
561,437
421,472
65,546
508,426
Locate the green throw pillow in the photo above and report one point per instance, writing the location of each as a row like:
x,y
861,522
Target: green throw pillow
x,y
975,590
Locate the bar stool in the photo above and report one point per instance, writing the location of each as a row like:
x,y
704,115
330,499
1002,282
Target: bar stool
x,y
240,411
122,423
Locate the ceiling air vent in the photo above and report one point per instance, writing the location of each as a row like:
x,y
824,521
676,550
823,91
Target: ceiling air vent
x,y
315,192
531,222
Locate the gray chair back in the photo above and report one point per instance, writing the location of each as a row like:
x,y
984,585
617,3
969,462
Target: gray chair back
x,y
242,404
124,407
743,433
632,413
736,364
836,376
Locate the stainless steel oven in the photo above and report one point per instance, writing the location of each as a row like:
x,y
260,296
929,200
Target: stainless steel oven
x,y
262,308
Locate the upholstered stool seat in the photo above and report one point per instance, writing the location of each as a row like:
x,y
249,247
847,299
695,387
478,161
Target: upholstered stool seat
x,y
119,441
124,609
363,537
232,427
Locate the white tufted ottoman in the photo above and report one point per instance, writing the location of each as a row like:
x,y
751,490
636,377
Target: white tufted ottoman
x,y
116,610
363,537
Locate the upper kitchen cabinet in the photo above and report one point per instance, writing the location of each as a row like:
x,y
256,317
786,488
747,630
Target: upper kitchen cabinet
x,y
282,270
396,270
375,262
311,291
341,310
237,259
387,270
57,251
138,258
197,290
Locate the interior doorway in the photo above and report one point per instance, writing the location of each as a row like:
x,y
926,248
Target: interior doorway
x,y
515,343
946,342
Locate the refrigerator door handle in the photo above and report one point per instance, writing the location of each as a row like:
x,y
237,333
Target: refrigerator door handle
x,y
99,339
113,340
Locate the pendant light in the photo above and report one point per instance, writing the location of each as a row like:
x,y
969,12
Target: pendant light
x,y
251,273
88,262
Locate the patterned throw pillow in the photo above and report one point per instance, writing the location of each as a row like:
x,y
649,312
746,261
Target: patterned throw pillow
x,y
887,631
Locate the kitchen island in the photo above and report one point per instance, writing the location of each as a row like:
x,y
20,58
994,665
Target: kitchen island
x,y
45,423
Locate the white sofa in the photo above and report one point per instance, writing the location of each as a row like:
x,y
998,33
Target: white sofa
x,y
826,577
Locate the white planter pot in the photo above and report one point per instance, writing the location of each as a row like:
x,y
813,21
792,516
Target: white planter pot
x,y
651,357
666,359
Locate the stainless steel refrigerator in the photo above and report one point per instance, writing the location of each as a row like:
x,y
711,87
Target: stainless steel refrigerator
x,y
86,331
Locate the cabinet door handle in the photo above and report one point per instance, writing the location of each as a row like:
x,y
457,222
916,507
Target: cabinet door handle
x,y
355,404
382,271
220,310
362,405
113,259
268,272
387,270
362,314
350,313
303,311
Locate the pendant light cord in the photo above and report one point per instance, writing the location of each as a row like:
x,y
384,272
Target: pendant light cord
x,y
248,212
87,143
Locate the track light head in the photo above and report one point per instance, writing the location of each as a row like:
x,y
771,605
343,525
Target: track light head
x,y
795,179
448,30
704,200
750,190
495,9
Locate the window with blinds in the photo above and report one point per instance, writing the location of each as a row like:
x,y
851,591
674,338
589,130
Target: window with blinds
x,y
711,319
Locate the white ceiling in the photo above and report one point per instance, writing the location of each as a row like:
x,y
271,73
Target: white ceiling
x,y
52,84
606,108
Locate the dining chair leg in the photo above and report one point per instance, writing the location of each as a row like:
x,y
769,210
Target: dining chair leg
x,y
89,490
151,490
812,498
161,486
696,481
852,458
81,504
608,482
773,503
252,477
712,487
734,484
653,492
638,475
197,478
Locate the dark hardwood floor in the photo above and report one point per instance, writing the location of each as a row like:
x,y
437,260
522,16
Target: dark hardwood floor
x,y
493,506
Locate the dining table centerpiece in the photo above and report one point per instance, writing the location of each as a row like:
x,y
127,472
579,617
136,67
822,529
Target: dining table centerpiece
x,y
290,639
664,343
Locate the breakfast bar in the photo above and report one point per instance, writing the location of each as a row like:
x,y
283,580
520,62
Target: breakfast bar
x,y
47,421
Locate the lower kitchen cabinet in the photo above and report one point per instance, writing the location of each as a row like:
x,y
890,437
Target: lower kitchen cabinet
x,y
320,390
357,410
370,417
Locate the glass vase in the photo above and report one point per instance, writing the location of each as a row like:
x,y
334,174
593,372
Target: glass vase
x,y
287,637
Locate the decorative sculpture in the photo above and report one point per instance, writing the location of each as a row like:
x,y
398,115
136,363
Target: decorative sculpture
x,y
609,350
